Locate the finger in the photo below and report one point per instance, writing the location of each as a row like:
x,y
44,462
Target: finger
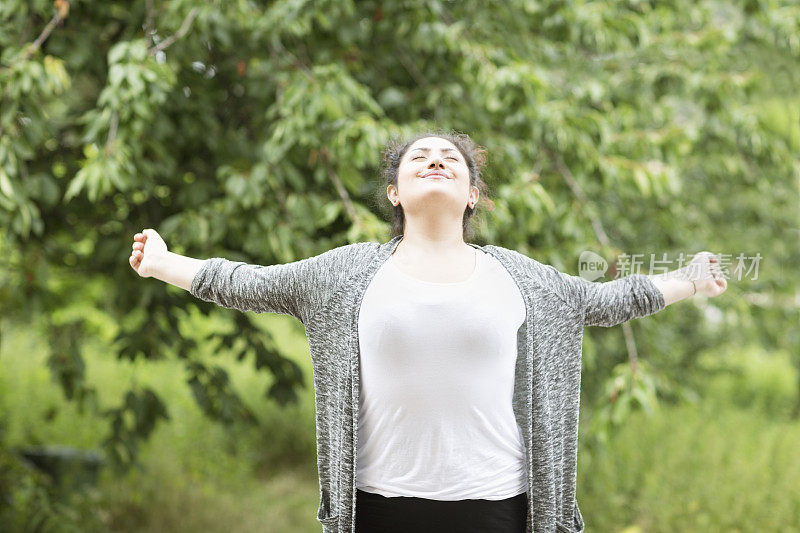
x,y
138,246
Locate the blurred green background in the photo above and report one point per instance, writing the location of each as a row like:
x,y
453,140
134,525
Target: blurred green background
x,y
253,131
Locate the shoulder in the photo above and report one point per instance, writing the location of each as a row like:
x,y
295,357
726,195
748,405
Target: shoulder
x,y
527,265
353,248
541,276
347,255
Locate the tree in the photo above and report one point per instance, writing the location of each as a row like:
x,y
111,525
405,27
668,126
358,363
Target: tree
x,y
253,131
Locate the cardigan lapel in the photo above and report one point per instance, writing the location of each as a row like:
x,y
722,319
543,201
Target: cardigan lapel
x,y
383,253
523,375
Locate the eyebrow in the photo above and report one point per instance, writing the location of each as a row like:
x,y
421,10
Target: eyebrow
x,y
428,150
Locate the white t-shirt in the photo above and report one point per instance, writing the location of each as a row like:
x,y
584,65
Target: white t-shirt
x,y
437,379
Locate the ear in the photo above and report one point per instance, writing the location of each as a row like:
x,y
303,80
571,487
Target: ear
x,y
391,193
474,193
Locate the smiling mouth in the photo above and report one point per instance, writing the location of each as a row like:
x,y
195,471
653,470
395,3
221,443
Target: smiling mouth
x,y
436,175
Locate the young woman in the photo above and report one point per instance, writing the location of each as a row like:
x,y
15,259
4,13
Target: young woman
x,y
446,374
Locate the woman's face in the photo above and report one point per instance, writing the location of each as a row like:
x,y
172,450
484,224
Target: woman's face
x,y
433,180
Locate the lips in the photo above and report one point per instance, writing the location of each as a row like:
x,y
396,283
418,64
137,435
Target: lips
x,y
435,175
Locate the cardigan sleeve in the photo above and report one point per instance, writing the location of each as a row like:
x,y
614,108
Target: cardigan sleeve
x,y
298,288
611,302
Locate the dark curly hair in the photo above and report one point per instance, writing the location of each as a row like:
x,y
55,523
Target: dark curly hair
x,y
474,155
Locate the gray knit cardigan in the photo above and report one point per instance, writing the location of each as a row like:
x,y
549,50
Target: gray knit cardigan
x,y
325,291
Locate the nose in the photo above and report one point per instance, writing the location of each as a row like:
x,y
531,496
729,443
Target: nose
x,y
436,162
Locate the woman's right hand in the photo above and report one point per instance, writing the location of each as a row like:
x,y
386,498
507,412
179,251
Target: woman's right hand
x,y
149,249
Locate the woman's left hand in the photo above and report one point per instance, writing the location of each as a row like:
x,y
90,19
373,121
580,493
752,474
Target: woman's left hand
x,y
705,270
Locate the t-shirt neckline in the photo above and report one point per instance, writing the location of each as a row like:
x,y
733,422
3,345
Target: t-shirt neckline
x,y
479,259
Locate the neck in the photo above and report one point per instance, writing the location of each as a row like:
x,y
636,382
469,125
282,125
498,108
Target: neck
x,y
433,239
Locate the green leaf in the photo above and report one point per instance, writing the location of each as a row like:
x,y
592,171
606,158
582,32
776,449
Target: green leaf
x,y
117,52
642,180
5,184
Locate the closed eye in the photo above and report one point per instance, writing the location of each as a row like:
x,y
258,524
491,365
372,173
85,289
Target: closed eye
x,y
422,157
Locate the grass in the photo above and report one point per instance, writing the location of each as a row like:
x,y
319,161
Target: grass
x,y
696,469
730,463
199,475
727,464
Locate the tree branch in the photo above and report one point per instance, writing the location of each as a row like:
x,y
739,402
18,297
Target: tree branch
x,y
580,195
293,58
148,22
177,35
337,183
112,132
62,8
411,68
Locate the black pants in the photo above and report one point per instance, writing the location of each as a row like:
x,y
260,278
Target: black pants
x,y
379,514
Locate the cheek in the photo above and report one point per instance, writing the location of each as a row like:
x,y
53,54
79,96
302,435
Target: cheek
x,y
408,169
407,172
403,180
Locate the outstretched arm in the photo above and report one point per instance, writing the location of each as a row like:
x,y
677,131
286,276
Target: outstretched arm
x,y
150,258
701,276
298,288
637,295
611,302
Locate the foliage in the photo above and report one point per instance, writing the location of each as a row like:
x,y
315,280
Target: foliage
x,y
683,468
28,500
253,131
694,468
